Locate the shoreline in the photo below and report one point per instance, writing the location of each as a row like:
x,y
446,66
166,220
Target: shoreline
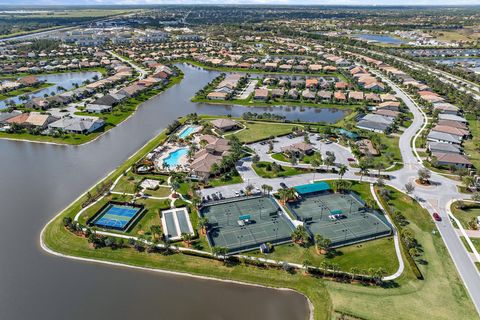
x,y
97,137
48,250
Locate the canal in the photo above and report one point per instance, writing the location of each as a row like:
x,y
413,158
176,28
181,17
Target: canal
x,y
39,180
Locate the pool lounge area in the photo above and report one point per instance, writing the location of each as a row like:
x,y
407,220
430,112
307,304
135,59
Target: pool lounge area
x,y
175,222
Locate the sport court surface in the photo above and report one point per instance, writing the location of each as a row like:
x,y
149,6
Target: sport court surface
x,y
266,223
116,216
356,223
175,222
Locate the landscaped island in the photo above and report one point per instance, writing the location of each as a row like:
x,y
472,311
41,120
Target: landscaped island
x,y
160,209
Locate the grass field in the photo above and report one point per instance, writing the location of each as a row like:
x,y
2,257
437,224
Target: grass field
x,y
440,296
256,131
262,169
371,254
466,214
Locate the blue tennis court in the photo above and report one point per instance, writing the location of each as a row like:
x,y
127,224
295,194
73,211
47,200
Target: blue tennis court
x,y
116,216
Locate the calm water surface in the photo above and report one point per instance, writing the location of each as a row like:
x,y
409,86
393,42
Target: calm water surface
x,y
37,181
65,80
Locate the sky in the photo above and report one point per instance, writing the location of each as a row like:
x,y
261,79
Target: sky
x,y
264,2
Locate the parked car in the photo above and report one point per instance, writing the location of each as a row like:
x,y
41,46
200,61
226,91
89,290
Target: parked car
x,y
283,185
350,159
437,217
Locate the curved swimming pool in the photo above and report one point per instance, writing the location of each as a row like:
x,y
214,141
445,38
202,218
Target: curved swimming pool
x,y
174,157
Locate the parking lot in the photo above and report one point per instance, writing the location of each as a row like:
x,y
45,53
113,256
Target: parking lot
x,y
342,154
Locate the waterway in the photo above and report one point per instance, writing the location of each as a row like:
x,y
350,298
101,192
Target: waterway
x,y
65,80
379,38
39,180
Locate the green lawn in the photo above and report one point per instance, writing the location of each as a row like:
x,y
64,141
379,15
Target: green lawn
x,y
256,131
371,254
160,192
467,213
440,296
221,182
280,157
261,168
128,183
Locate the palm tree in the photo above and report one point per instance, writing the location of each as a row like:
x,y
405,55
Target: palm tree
x,y
249,189
468,181
354,271
203,224
342,170
305,265
363,170
187,239
324,266
380,166
266,188
220,251
175,186
300,235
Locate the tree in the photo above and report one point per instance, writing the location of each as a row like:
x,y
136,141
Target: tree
x,y
255,158
266,188
203,224
248,189
342,170
363,169
305,265
322,244
380,166
468,181
220,252
330,160
424,175
354,271
409,187
187,238
300,235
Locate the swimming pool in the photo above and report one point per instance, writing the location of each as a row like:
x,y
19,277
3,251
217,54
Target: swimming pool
x,y
174,157
186,132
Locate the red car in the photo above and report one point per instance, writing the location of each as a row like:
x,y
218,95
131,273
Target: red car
x,y
437,217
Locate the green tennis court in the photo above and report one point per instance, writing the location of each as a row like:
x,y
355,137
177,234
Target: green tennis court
x,y
342,218
244,224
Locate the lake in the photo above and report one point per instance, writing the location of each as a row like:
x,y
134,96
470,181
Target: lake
x,y
379,38
66,80
38,180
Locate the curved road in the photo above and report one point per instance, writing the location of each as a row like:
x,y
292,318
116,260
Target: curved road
x,y
435,198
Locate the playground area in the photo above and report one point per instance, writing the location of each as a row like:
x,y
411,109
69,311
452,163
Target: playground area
x,y
244,224
340,217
